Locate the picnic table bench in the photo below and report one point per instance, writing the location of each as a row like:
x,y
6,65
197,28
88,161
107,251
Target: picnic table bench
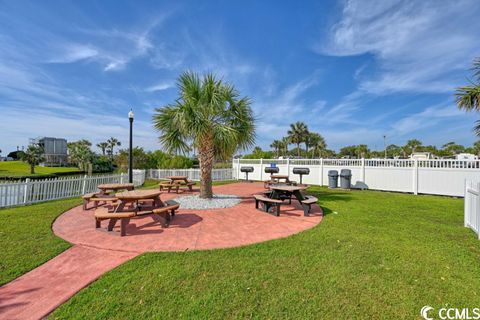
x,y
176,182
132,204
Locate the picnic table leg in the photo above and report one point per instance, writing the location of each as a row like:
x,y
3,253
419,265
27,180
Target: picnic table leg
x,y
111,224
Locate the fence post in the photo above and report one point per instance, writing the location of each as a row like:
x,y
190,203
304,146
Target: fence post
x,y
321,171
415,176
261,169
466,200
288,166
238,169
477,207
84,184
363,171
121,177
25,192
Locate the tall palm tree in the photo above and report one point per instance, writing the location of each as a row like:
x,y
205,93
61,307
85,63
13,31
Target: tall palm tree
x,y
112,143
285,142
276,146
317,143
297,134
468,97
102,146
210,114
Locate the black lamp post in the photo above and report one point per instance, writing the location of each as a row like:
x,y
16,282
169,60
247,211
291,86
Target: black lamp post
x,y
130,154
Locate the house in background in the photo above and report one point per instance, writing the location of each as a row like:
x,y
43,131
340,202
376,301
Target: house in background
x,y
55,151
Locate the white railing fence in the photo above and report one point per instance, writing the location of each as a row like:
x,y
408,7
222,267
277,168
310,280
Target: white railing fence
x,y
472,206
440,177
192,174
32,191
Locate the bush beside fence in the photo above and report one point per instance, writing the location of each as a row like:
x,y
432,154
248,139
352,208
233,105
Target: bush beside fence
x,y
27,192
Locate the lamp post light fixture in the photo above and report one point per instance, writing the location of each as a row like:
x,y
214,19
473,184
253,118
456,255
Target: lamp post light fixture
x,y
130,151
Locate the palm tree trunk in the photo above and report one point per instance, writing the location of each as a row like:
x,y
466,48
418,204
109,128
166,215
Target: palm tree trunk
x,y
298,150
206,156
32,169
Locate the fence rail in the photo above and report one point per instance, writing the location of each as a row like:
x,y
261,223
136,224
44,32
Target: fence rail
x,y
191,174
472,206
27,192
439,176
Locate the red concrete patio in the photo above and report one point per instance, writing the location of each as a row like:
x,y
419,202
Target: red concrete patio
x,y
37,293
192,229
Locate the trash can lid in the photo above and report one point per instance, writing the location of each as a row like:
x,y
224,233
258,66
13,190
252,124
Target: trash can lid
x,y
332,172
346,172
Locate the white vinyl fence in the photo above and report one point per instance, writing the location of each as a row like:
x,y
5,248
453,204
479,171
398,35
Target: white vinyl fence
x,y
440,177
192,174
472,206
32,191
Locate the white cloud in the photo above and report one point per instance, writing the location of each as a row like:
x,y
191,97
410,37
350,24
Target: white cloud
x,y
74,53
420,46
160,86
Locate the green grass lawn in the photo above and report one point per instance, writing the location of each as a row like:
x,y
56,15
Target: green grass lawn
x,y
27,239
376,255
20,168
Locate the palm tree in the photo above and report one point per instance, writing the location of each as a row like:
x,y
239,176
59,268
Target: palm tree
x,y
34,155
413,144
297,134
211,114
285,142
103,146
276,146
113,142
468,97
318,144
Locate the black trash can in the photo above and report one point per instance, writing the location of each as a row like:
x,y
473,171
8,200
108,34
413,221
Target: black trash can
x,y
332,179
345,179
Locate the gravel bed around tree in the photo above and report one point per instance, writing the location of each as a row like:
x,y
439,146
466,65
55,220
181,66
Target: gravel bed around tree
x,y
218,201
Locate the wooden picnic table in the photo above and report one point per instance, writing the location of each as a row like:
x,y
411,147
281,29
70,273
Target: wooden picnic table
x,y
175,182
281,191
276,179
106,188
135,197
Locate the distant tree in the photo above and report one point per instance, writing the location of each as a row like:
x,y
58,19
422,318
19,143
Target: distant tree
x,y
468,97
451,148
317,143
285,142
112,143
348,151
34,155
393,151
103,146
297,133
362,150
476,147
16,155
276,145
412,145
80,154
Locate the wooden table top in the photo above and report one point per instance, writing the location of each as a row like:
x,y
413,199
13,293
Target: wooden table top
x,y
138,194
177,177
279,176
287,188
115,186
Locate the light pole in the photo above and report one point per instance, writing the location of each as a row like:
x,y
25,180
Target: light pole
x,y
385,145
130,153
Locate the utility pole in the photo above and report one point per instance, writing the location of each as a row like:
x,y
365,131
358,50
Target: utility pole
x,y
385,145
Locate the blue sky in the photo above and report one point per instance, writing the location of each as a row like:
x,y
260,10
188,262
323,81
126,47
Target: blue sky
x,y
352,70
